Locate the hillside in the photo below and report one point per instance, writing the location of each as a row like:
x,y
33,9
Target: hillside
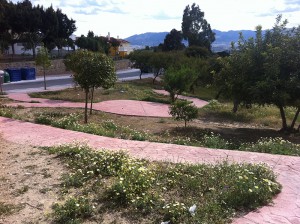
x,y
223,38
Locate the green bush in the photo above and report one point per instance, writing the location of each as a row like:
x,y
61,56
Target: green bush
x,y
215,141
272,145
72,211
183,110
162,191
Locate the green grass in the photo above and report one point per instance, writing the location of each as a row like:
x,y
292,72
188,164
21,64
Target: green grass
x,y
6,209
181,136
155,192
267,116
133,90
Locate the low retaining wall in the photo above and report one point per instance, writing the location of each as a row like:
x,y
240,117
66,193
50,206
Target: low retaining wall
x,y
57,66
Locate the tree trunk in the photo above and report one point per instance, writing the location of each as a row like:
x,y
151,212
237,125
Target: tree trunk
x,y
218,94
86,106
172,95
156,74
295,118
44,69
92,98
141,74
283,118
13,48
235,105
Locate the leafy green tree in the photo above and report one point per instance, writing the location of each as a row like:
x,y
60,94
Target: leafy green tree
x,y
195,28
49,27
183,110
13,24
179,80
173,41
141,60
66,27
265,70
93,43
91,70
160,61
43,59
197,52
32,23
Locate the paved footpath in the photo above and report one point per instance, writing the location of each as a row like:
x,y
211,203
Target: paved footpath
x,y
122,107
284,210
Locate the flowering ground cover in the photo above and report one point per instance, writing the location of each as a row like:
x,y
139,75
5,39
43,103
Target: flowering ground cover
x,y
99,182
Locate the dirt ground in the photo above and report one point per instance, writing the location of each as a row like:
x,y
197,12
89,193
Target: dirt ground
x,y
29,180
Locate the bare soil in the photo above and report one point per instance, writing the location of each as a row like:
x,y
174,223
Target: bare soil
x,y
29,180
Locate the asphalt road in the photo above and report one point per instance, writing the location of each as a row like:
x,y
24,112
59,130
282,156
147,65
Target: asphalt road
x,y
60,82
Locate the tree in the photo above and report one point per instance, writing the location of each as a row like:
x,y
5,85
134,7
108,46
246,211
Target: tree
x,y
91,70
195,28
159,61
173,41
31,25
43,60
140,60
49,27
179,80
66,27
197,52
183,110
265,70
93,43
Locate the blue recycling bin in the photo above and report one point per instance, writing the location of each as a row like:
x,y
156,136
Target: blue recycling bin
x,y
28,73
14,74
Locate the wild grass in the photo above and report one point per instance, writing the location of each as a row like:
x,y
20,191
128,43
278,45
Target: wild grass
x,y
156,191
181,136
133,90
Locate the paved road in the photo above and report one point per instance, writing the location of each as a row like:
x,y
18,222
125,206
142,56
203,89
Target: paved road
x,y
60,81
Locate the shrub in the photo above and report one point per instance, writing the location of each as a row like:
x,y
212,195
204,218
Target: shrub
x,y
72,211
183,110
272,145
162,191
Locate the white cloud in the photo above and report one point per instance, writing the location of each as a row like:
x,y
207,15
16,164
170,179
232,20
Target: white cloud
x,y
128,17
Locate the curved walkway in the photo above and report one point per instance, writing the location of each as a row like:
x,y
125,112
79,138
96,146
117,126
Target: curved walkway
x,y
286,206
122,107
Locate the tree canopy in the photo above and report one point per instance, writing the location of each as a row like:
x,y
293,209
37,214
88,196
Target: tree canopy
x,y
173,41
91,70
33,24
265,70
195,28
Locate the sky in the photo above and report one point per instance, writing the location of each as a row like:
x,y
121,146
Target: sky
x,y
125,18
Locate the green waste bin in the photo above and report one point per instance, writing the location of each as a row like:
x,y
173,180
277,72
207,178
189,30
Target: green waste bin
x,y
6,77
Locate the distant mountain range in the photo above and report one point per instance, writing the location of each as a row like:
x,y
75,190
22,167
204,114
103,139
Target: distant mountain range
x,y
222,42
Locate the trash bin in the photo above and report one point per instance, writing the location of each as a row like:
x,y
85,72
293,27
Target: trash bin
x,y
1,80
15,74
28,73
1,77
6,77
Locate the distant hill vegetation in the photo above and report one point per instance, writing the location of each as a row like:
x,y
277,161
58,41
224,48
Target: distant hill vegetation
x,y
223,38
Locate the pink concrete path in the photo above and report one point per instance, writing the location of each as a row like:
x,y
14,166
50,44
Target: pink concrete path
x,y
122,107
284,210
197,102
